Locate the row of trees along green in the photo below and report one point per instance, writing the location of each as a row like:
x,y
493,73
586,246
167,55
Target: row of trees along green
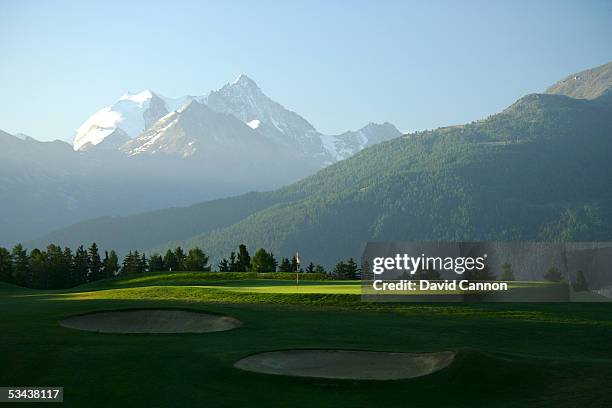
x,y
57,268
264,261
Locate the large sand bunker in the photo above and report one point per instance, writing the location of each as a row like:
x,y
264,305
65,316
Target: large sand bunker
x,y
151,321
347,364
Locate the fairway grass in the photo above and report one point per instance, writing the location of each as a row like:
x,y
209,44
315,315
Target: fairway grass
x,y
507,355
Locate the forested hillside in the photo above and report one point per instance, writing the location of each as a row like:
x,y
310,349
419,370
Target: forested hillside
x,y
539,170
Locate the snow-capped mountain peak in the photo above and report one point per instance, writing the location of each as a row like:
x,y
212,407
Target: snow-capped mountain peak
x,y
148,123
140,97
131,114
244,81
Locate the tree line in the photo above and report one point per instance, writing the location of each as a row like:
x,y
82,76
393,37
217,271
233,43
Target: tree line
x,y
57,268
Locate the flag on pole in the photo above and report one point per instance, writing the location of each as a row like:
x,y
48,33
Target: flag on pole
x,y
297,269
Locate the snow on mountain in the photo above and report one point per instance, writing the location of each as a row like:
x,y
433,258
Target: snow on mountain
x,y
131,114
22,136
217,139
349,143
147,123
345,145
245,100
254,124
185,130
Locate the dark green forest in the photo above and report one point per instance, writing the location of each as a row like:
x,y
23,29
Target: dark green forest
x,y
540,170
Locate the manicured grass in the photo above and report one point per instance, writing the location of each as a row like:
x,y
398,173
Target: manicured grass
x,y
509,355
208,278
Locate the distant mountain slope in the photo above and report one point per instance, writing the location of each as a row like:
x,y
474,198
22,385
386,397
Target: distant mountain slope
x,y
348,143
197,130
31,174
157,227
244,100
47,185
147,151
539,170
588,84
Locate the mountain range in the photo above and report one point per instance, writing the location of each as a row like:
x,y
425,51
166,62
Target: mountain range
x,y
147,152
239,113
539,170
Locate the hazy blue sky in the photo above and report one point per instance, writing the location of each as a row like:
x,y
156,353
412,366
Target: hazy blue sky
x,y
340,64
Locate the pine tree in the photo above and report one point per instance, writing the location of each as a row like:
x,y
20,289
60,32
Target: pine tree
x,y
81,266
180,256
143,264
233,263
320,269
56,268
38,270
310,268
112,269
6,266
170,261
224,265
104,273
156,263
285,265
352,270
21,265
136,263
127,266
196,260
340,270
244,259
273,262
95,263
69,268
263,261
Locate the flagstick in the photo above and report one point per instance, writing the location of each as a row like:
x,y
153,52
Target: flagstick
x,y
297,271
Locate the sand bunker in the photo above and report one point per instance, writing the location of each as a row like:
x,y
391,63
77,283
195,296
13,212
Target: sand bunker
x,y
151,321
346,364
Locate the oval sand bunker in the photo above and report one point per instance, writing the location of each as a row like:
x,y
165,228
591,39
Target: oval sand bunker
x,y
347,364
151,321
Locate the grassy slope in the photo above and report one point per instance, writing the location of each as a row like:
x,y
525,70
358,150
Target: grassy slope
x,y
588,84
511,355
